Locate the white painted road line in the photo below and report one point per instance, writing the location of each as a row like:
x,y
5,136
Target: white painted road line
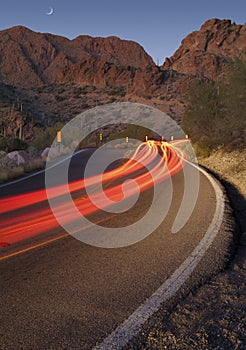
x,y
132,326
40,171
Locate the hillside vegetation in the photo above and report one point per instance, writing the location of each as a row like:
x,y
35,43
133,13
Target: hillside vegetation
x,y
54,79
215,116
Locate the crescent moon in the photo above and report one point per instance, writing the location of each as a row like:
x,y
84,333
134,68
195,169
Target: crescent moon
x,y
50,12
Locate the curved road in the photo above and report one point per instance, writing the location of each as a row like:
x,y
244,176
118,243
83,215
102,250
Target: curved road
x,y
59,293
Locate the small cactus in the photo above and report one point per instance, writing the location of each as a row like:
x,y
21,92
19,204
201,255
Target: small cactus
x,y
20,132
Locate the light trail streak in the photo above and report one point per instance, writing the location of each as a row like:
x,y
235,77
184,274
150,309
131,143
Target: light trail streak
x,y
163,158
20,201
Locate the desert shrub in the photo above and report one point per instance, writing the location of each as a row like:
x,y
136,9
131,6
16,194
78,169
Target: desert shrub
x,y
202,150
61,90
85,106
15,172
60,98
3,175
131,69
80,90
3,144
9,144
132,131
118,91
234,97
112,100
148,97
216,111
84,90
36,164
76,92
203,113
45,137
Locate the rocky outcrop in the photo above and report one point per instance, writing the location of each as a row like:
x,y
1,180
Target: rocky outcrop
x,y
57,78
206,52
31,59
20,157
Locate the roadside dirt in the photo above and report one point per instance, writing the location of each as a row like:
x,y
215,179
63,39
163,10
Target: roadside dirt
x,y
214,317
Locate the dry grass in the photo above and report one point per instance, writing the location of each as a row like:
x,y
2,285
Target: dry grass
x,y
231,166
16,172
19,171
3,175
37,164
213,317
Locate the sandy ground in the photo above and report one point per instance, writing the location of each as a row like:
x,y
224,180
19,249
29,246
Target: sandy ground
x,y
214,317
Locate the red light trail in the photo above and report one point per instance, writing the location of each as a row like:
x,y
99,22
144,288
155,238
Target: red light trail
x,y
162,158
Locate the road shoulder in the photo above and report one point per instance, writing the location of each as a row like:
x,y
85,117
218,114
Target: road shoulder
x,y
213,315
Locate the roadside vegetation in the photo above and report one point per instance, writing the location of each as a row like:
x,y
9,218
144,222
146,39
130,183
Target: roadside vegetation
x,y
9,144
215,116
43,137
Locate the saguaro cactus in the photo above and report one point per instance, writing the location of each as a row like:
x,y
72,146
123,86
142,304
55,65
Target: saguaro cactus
x,y
20,132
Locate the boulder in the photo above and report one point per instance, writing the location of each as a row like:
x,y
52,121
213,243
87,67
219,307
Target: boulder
x,y
45,152
33,152
6,163
20,157
3,154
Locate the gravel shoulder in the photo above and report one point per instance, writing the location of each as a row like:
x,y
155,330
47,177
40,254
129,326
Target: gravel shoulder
x,y
214,316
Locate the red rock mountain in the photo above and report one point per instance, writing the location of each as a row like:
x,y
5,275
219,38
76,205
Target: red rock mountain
x,y
55,78
32,59
205,52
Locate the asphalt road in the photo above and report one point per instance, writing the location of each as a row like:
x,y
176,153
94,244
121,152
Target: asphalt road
x,y
69,295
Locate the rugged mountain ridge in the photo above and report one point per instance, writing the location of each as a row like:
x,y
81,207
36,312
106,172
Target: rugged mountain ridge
x,y
206,52
31,59
51,78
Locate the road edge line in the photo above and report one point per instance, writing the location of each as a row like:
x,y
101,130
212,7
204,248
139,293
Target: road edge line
x,y
40,171
133,324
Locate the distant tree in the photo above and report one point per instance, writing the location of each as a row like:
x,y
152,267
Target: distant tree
x,y
234,100
9,144
203,113
216,111
45,137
